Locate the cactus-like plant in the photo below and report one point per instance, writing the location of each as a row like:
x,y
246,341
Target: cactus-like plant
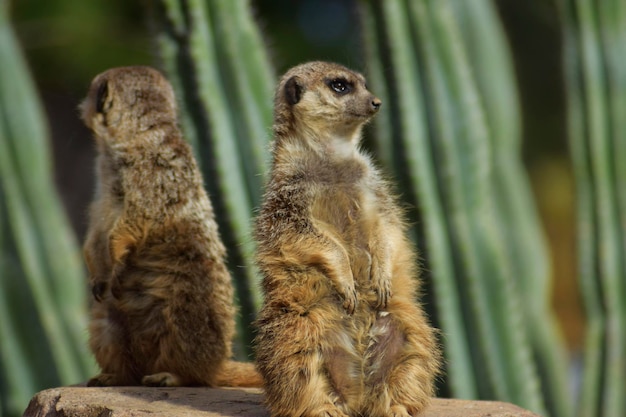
x,y
451,131
42,282
595,51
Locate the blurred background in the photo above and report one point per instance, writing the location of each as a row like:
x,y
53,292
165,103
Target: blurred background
x,y
67,42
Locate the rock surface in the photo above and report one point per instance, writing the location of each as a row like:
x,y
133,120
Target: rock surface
x,y
208,402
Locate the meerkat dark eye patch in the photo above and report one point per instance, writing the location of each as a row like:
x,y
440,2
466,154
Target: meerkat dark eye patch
x,y
340,86
293,91
101,96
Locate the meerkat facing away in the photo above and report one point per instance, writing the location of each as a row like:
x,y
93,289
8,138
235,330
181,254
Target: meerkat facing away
x,y
163,313
340,332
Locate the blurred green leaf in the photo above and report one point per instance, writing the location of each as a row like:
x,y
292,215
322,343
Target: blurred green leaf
x,y
50,273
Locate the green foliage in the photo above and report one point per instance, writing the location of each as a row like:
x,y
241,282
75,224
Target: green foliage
x,y
450,129
42,287
595,36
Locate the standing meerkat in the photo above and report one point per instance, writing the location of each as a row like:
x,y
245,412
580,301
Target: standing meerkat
x,y
340,332
163,313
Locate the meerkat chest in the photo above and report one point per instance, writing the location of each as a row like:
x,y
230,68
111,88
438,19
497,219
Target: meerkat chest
x,y
352,210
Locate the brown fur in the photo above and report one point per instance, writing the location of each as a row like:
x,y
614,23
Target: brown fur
x,y
340,332
163,313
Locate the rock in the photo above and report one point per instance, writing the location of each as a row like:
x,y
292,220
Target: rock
x,y
208,402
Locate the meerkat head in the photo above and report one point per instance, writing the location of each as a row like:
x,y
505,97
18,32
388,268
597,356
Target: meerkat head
x,y
123,102
323,99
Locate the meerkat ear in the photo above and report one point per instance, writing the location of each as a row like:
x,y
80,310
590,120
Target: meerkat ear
x,y
101,96
293,90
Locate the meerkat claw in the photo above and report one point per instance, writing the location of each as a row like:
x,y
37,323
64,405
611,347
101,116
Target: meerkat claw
x,y
384,294
98,289
350,302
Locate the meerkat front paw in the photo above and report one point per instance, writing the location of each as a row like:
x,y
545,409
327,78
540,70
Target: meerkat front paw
x,y
116,280
103,380
349,295
98,288
162,379
381,283
382,287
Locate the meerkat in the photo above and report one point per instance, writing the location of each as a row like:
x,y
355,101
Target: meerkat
x,y
163,312
340,332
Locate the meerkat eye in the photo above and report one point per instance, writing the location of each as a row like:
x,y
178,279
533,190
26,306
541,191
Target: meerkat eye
x,y
340,86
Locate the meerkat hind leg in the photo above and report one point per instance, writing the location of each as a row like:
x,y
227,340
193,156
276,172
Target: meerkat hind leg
x,y
400,369
317,396
300,356
317,393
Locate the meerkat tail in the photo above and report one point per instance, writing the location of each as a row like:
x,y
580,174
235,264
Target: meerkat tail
x,y
239,374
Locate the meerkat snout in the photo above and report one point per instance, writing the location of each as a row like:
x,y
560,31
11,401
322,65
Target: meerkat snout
x,y
376,103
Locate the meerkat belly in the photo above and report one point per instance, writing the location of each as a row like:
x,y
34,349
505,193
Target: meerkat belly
x,y
351,215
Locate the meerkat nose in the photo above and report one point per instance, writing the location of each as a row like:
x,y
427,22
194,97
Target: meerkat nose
x,y
376,103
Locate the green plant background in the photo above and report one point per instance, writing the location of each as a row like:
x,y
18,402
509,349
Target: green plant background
x,y
492,111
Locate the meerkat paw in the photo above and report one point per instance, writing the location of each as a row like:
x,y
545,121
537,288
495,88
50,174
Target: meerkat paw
x,y
382,287
380,276
162,379
116,280
328,410
398,411
348,293
103,380
98,288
